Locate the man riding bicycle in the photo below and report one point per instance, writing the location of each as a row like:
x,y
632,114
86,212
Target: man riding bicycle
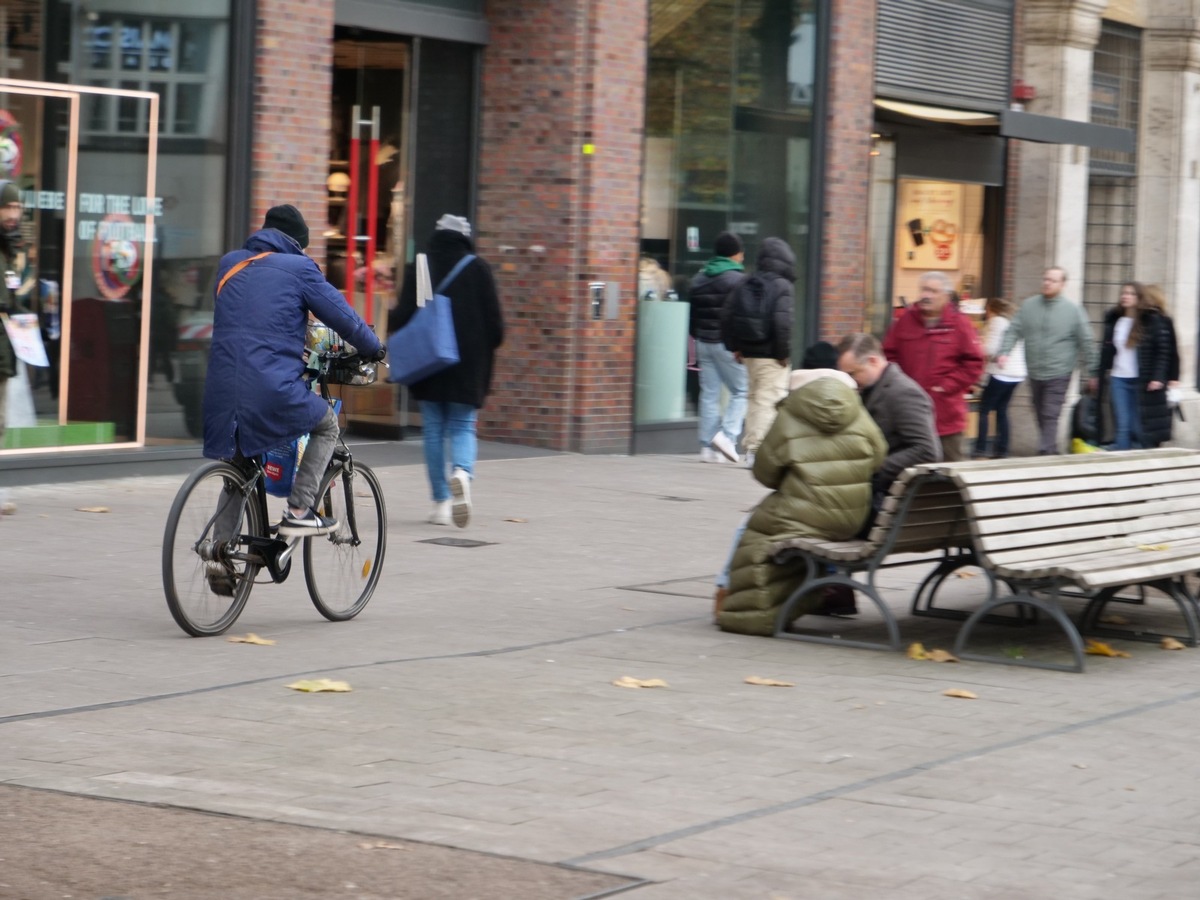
x,y
255,396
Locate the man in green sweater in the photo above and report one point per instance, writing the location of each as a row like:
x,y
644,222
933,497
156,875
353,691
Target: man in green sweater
x,y
1058,339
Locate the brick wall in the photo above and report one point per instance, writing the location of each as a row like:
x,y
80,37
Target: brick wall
x,y
292,89
558,75
849,121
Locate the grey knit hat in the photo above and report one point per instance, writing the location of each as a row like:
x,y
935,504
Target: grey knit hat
x,y
9,193
449,222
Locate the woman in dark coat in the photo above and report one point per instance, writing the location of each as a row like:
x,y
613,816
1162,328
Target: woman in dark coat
x,y
450,399
1135,358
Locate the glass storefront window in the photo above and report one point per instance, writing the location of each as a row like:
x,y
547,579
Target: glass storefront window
x,y
124,266
729,98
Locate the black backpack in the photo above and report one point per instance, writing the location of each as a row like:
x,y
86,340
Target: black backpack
x,y
751,313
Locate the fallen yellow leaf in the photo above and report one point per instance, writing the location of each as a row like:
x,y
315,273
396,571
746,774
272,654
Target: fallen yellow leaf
x,y
916,650
1154,546
941,656
316,685
768,682
1169,643
959,692
963,573
366,570
250,638
520,521
94,509
626,681
1113,620
1099,648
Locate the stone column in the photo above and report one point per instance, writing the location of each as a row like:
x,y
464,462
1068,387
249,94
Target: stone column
x,y
1060,36
1168,245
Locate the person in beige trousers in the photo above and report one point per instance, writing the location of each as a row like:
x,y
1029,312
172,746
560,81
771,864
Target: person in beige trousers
x,y
756,325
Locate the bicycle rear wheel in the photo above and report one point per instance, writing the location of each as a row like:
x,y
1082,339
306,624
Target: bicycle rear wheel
x,y
342,567
206,588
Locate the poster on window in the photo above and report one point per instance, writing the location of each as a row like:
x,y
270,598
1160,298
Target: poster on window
x,y
929,216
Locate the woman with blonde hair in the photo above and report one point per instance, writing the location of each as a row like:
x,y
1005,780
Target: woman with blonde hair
x,y
1135,360
1002,380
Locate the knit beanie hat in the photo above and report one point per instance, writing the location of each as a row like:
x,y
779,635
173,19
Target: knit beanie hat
x,y
9,194
800,377
454,223
821,355
287,218
727,244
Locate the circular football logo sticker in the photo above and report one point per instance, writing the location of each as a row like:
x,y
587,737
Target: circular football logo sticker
x,y
116,257
11,148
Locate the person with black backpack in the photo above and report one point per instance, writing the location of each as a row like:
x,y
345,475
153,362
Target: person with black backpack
x,y
756,325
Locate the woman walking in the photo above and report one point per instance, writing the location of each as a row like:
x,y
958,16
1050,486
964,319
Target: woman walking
x,y
1135,359
1002,380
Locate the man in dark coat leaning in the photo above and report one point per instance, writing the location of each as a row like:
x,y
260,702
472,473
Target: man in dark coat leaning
x,y
450,399
255,396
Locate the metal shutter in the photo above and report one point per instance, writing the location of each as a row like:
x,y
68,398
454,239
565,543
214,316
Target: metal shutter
x,y
945,52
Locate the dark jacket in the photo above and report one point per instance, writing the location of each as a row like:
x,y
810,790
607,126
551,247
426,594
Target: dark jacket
x,y
1155,356
707,294
946,356
817,458
255,397
776,264
904,413
478,322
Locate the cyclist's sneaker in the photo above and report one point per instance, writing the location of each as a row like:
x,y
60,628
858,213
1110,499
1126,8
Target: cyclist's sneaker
x,y
460,495
306,525
221,581
441,513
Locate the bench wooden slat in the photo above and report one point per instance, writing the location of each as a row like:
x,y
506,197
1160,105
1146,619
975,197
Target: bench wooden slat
x,y
1070,466
1055,542
990,523
1188,491
1074,484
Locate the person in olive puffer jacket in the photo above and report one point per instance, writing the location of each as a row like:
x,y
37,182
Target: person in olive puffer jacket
x,y
718,432
817,458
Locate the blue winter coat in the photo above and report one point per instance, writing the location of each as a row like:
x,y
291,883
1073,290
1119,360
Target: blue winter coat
x,y
254,394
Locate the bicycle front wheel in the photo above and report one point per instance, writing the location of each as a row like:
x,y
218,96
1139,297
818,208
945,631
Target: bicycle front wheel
x,y
342,567
206,585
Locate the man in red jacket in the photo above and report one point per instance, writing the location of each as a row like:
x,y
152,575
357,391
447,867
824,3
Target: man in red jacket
x,y
937,347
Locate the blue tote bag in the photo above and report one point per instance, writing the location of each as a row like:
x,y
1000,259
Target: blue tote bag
x,y
427,344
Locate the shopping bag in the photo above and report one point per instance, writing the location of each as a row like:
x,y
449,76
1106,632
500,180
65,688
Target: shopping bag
x,y
427,344
280,465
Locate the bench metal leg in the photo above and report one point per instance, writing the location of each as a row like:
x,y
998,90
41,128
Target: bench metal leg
x,y
1089,622
924,599
1051,607
787,613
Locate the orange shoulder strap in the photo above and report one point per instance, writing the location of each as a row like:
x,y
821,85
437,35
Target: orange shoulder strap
x,y
237,268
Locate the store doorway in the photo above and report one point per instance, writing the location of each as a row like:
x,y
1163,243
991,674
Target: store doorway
x,y
371,79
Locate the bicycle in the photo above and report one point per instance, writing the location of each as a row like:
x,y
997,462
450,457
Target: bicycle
x,y
219,536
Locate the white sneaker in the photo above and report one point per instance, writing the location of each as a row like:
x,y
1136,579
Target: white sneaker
x,y
750,460
460,493
723,445
709,455
440,514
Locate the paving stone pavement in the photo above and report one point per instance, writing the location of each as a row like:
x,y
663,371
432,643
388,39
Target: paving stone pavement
x,y
483,716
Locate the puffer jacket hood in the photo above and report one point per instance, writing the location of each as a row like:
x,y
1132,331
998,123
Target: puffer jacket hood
x,y
826,404
776,256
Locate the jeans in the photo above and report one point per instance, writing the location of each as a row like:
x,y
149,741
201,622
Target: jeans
x,y
321,441
440,421
996,395
1048,397
768,385
718,367
1126,413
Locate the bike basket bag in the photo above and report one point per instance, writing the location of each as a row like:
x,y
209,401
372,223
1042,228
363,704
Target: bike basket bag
x,y
280,465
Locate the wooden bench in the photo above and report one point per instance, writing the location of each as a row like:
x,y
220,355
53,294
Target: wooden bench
x,y
922,514
1087,525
